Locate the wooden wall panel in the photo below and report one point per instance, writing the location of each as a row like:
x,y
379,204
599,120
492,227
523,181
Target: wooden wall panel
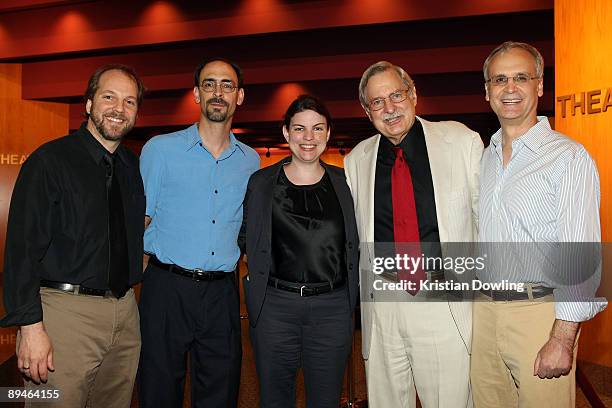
x,y
24,125
583,62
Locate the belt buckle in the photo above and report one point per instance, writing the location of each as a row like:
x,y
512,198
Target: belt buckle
x,y
302,290
67,287
197,273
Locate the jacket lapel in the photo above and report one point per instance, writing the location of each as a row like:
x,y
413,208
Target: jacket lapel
x,y
440,159
367,172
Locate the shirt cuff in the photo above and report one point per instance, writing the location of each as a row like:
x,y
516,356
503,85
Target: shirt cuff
x,y
23,316
579,311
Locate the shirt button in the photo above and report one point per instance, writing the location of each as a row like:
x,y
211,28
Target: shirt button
x,y
213,252
216,192
213,221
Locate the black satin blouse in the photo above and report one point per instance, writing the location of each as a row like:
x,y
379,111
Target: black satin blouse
x,y
308,234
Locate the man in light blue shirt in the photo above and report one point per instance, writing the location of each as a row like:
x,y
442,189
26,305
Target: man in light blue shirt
x,y
539,205
195,180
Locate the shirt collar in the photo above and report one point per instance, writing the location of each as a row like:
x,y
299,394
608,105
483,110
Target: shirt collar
x,y
533,138
407,143
192,138
95,148
416,131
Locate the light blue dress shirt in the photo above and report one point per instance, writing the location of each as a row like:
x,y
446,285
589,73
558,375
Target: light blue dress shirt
x,y
546,203
195,200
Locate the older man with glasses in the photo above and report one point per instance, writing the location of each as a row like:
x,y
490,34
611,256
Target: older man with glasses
x,y
415,187
195,180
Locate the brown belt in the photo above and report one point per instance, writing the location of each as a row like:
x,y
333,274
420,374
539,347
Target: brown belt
x,y
508,295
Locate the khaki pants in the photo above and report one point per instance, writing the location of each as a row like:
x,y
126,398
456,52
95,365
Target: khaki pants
x,y
96,346
416,348
506,340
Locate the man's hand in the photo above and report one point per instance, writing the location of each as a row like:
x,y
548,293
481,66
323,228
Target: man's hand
x,y
34,352
555,358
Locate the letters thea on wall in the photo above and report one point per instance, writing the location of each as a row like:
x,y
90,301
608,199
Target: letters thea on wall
x,y
589,102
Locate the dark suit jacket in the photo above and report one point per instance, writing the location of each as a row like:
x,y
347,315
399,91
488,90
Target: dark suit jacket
x,y
255,238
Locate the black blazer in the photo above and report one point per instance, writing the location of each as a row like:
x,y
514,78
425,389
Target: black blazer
x,y
255,238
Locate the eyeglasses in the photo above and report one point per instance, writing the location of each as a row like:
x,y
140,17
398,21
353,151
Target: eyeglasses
x,y
395,97
502,80
211,86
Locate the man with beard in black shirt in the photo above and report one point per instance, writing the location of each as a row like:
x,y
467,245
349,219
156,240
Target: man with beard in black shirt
x,y
74,249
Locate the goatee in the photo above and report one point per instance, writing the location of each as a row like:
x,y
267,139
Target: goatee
x,y
215,114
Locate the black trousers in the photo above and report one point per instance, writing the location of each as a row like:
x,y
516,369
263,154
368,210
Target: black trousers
x,y
180,316
312,332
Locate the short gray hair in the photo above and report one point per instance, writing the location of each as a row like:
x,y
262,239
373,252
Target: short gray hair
x,y
509,45
382,66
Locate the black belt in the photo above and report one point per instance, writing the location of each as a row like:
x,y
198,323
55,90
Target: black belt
x,y
78,289
195,274
304,289
507,295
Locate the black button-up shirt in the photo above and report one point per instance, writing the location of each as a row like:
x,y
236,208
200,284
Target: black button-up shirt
x,y
415,152
58,222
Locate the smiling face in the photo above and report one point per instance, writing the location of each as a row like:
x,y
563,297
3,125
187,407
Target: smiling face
x,y
394,120
307,136
217,105
112,111
514,104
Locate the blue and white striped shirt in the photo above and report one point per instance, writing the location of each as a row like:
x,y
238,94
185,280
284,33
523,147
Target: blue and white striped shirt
x,y
548,194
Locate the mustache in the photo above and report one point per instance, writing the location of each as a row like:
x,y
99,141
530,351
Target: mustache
x,y
389,116
115,115
217,100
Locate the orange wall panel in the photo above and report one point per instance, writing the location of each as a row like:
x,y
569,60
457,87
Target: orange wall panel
x,y
24,125
583,64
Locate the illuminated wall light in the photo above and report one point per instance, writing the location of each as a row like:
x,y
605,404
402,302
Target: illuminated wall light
x,y
262,14
161,12
73,22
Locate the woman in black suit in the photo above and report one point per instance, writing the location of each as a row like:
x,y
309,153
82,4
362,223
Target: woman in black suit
x,y
300,237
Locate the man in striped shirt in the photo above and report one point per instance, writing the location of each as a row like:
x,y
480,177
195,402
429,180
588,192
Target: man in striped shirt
x,y
539,204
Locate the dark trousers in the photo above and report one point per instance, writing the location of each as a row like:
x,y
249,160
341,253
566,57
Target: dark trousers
x,y
180,316
312,332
